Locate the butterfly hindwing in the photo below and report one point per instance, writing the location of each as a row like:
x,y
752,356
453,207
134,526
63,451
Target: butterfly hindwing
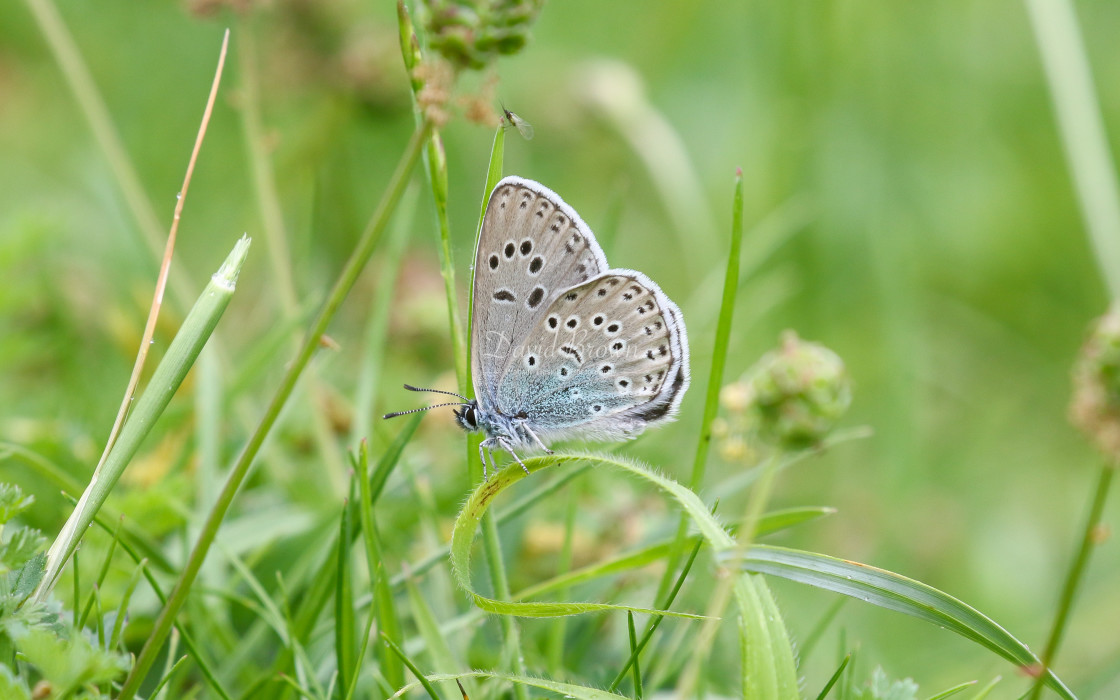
x,y
607,358
532,246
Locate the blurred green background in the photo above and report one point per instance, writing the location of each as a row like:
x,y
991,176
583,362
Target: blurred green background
x,y
908,204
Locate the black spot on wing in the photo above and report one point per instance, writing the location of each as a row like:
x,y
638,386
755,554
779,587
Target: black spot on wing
x,y
573,352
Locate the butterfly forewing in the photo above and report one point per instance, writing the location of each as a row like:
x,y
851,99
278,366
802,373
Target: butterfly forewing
x,y
608,357
532,247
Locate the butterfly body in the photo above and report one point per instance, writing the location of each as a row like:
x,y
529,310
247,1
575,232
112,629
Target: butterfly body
x,y
562,345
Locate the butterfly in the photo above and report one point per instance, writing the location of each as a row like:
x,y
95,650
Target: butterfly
x,y
562,345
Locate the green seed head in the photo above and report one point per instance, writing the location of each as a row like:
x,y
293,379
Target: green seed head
x,y
473,33
1095,407
799,392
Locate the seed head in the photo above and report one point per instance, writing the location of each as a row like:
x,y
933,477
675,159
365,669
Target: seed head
x,y
1095,407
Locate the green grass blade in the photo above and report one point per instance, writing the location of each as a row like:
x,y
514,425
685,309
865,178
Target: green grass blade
x,y
267,609
188,640
386,614
304,667
715,377
341,288
390,667
636,650
471,515
835,677
377,329
1074,576
122,609
434,639
567,690
105,562
343,602
634,666
955,690
437,179
723,337
500,582
520,506
987,690
778,520
167,676
897,593
52,472
420,677
315,598
1082,130
554,646
197,328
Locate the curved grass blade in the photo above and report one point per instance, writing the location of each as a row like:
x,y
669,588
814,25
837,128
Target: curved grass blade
x,y
900,594
567,690
468,520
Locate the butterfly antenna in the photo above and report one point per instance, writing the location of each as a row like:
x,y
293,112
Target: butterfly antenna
x,y
435,391
417,410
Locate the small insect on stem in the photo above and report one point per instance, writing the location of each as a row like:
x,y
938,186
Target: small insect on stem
x,y
523,127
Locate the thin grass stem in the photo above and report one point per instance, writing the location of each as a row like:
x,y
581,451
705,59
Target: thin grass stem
x,y
1090,537
715,378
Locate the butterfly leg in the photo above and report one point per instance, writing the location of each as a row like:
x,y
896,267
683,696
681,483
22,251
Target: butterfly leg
x,y
482,457
505,445
530,433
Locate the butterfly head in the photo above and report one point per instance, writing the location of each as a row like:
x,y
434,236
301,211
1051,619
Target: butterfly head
x,y
467,416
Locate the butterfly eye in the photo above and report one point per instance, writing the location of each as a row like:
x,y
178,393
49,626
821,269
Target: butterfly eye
x,y
468,417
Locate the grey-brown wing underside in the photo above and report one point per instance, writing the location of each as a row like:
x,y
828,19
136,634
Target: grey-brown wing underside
x,y
532,246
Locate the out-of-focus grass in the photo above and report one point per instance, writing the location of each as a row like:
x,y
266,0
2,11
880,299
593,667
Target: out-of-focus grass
x,y
943,257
